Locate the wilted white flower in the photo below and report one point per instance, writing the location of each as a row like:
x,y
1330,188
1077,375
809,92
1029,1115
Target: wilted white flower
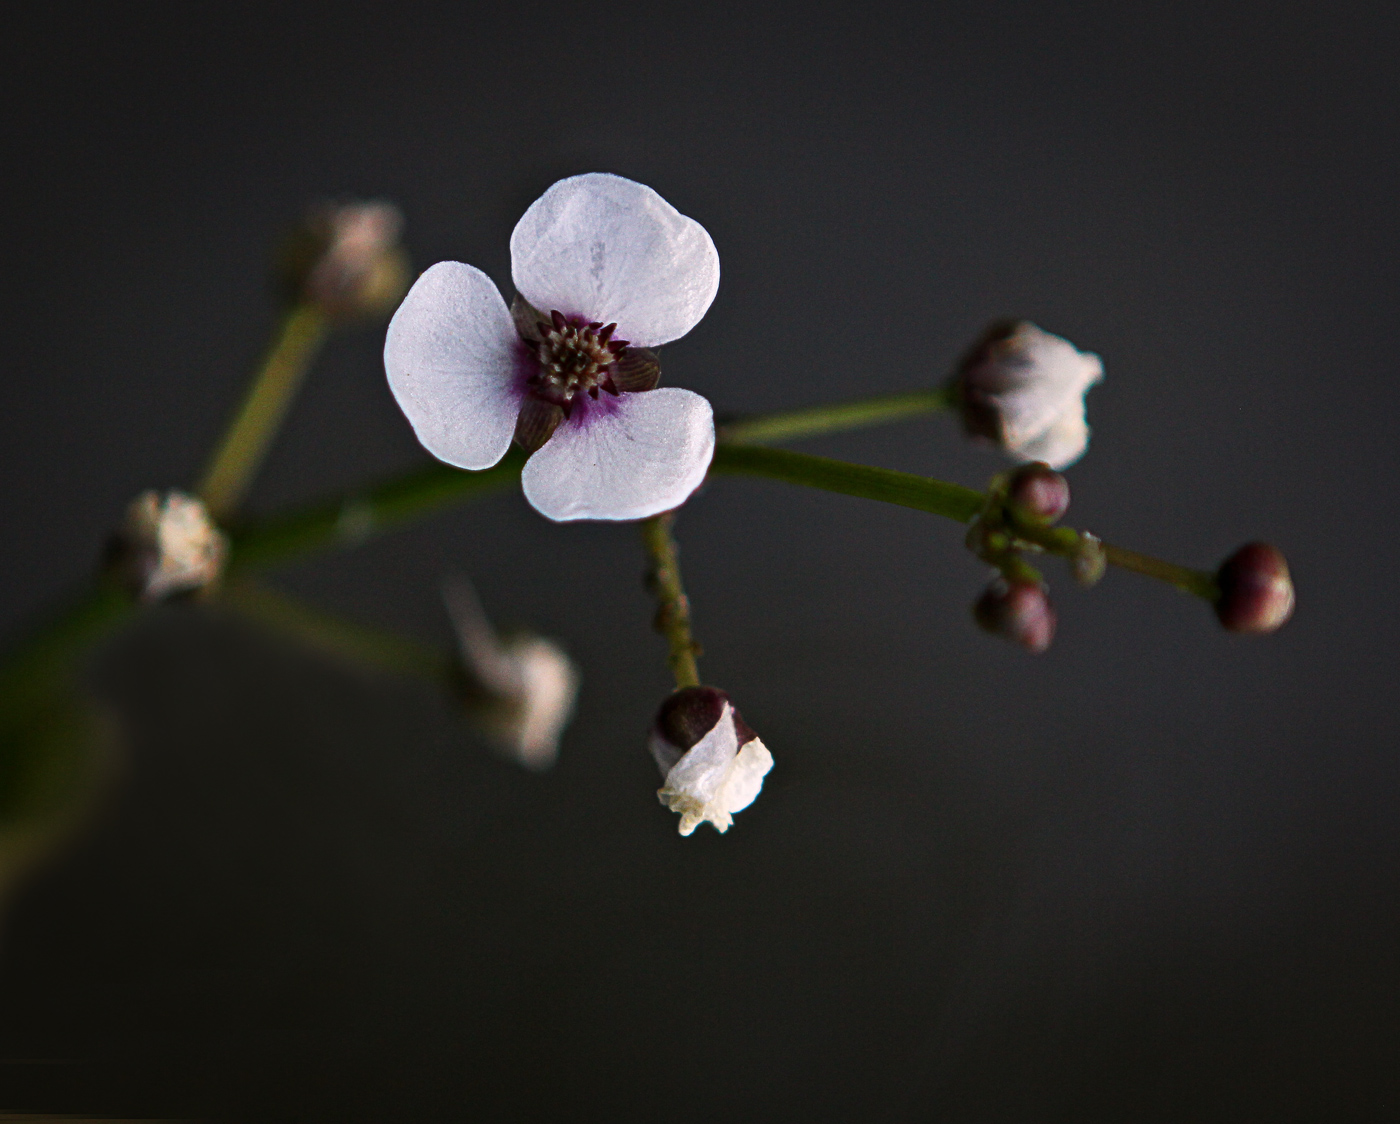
x,y
1024,388
713,762
168,544
346,260
605,270
521,689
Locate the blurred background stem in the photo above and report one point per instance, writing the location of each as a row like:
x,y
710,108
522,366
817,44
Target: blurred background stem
x,y
298,338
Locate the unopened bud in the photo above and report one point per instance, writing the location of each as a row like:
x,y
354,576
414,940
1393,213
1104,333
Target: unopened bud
x,y
167,545
1089,560
713,762
1023,389
1256,592
1017,611
346,261
519,689
1037,494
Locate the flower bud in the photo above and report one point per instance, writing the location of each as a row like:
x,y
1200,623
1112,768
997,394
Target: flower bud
x,y
520,689
1256,592
1023,389
713,762
1017,611
346,261
167,545
1037,494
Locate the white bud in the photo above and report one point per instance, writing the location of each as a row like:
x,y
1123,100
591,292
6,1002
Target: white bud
x,y
347,261
168,544
1024,388
520,689
714,764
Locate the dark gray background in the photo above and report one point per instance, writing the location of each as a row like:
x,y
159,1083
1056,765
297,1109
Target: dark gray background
x,y
1149,876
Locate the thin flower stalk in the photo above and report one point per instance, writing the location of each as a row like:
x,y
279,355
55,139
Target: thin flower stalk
x,y
673,606
834,417
240,454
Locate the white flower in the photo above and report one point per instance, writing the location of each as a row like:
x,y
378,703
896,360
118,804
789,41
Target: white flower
x,y
714,764
605,270
168,544
1024,388
521,689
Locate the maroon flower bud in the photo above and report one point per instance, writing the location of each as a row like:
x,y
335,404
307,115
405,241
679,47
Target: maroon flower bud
x,y
714,764
1017,611
1037,493
1256,593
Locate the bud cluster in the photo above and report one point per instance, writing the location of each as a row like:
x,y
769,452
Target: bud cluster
x,y
1022,506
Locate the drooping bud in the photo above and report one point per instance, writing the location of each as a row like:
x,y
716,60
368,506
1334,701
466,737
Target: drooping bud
x,y
713,762
1256,591
1023,389
167,545
1017,611
346,261
1037,494
520,689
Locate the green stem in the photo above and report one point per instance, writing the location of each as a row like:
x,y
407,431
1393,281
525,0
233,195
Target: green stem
x,y
352,518
812,421
1201,583
952,501
673,606
340,638
60,641
245,444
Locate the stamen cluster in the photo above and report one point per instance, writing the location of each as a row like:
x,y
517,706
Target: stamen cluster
x,y
575,358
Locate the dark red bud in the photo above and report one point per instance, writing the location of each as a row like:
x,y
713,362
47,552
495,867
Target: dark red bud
x,y
1017,611
689,714
1037,493
1256,593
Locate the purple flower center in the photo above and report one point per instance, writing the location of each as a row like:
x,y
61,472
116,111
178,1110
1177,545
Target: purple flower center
x,y
575,357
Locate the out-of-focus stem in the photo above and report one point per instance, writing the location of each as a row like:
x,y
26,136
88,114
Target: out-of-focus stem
x,y
812,421
298,337
673,607
350,519
343,639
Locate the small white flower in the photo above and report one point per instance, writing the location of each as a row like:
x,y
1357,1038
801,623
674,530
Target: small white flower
x,y
605,270
714,764
168,544
521,689
1024,388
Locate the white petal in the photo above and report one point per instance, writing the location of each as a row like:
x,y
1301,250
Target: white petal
x,y
451,355
1046,379
698,778
605,248
1060,445
628,458
745,779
